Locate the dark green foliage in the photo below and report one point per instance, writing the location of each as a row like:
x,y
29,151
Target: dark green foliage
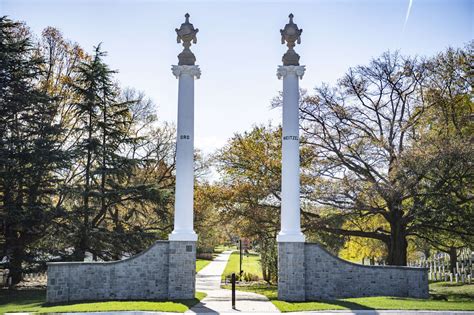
x,y
83,166
30,156
107,187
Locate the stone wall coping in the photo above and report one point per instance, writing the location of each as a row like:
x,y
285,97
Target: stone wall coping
x,y
366,266
75,263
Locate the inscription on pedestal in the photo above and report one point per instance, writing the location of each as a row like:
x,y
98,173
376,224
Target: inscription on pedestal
x,y
184,137
290,138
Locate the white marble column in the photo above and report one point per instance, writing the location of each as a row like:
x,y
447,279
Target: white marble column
x,y
290,181
184,195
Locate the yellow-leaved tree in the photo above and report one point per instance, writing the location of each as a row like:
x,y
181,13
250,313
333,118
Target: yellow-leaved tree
x,y
358,249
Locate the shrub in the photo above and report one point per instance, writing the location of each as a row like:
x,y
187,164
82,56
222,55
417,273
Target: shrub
x,y
247,276
206,256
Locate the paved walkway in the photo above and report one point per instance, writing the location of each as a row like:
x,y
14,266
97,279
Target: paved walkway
x,y
218,300
375,312
368,312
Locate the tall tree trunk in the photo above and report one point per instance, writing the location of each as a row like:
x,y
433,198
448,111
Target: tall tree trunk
x,y
397,247
104,158
12,236
83,243
15,264
79,253
453,259
118,235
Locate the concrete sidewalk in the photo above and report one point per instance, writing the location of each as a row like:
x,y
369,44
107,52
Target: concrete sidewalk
x,y
210,312
218,300
388,312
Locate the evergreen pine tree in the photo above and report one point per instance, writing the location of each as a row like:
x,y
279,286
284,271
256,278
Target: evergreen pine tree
x,y
29,153
105,123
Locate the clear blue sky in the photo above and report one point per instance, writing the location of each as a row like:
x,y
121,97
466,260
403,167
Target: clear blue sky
x,y
239,46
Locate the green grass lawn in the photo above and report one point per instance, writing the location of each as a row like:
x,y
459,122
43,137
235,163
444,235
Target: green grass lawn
x,y
201,263
34,301
250,264
221,248
452,291
459,297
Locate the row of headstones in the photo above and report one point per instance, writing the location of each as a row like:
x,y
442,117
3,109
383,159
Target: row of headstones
x,y
42,276
5,280
463,278
439,270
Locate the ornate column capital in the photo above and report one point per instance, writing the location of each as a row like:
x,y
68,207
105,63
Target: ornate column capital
x,y
193,71
186,34
285,70
291,34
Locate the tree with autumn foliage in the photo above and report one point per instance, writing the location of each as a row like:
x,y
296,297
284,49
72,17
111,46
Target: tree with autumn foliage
x,y
444,206
249,192
361,248
377,152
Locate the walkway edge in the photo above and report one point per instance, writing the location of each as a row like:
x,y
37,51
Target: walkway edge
x,y
338,312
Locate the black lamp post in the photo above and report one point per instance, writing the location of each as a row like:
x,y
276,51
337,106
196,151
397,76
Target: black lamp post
x,y
241,271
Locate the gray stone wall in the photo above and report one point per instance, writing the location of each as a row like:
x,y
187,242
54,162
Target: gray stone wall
x,y
144,276
329,277
182,270
291,271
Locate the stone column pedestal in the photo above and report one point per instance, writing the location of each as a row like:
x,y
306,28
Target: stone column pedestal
x,y
291,271
182,270
291,266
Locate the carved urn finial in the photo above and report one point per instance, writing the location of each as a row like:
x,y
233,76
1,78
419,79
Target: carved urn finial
x,y
291,34
186,34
